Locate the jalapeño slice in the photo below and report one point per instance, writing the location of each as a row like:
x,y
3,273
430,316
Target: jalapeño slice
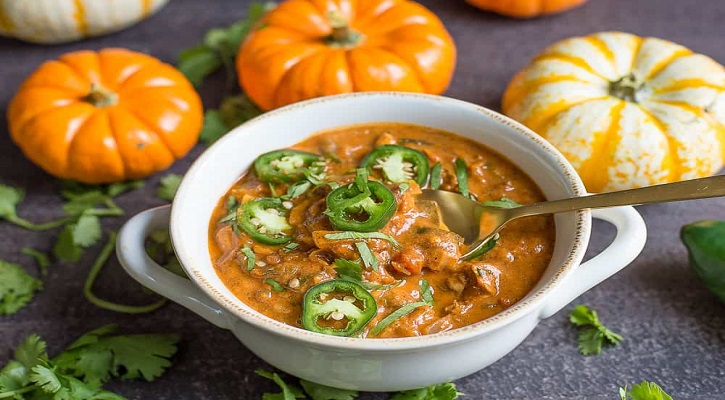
x,y
337,307
351,209
398,163
265,221
287,166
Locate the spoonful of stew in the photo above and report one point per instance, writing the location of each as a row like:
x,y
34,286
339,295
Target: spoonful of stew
x,y
460,213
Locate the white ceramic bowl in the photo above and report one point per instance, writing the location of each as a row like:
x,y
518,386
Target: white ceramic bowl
x,y
374,364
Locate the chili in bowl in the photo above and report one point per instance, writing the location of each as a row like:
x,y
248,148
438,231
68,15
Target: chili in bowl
x,y
301,233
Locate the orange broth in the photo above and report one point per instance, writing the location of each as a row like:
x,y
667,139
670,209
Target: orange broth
x,y
463,292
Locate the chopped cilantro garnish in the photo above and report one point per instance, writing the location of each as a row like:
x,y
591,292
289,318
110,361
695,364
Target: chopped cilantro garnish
x,y
462,177
426,296
250,256
350,235
435,176
367,256
505,202
276,286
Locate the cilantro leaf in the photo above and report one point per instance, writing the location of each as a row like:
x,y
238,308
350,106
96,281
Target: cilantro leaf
x,y
65,247
444,391
595,335
168,187
79,203
17,287
250,256
322,392
288,392
197,63
348,270
13,376
645,391
590,341
40,258
583,316
46,379
213,128
10,197
86,231
119,188
31,352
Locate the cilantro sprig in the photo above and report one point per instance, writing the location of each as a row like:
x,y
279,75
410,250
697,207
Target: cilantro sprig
x,y
644,391
168,186
594,335
218,50
80,371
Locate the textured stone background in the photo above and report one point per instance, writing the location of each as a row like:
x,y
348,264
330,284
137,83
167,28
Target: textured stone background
x,y
674,329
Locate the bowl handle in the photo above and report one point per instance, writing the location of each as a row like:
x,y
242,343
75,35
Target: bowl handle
x,y
629,242
131,252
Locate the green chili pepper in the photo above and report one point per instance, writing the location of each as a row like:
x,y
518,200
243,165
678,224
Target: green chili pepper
x,y
287,166
337,307
398,163
705,242
265,220
351,209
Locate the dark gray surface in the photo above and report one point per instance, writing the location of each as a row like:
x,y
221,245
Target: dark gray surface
x,y
674,329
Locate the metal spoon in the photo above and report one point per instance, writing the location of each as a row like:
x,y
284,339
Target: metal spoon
x,y
478,223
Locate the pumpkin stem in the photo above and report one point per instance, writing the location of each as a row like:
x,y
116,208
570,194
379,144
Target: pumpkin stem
x,y
628,88
342,35
101,97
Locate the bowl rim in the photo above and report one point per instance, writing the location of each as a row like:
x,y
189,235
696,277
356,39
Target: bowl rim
x,y
513,313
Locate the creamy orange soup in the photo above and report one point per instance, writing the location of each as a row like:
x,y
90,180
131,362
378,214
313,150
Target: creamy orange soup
x,y
417,274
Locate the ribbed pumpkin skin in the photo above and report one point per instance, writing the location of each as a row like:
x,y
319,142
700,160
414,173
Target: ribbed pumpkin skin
x,y
405,47
60,21
671,128
155,121
526,8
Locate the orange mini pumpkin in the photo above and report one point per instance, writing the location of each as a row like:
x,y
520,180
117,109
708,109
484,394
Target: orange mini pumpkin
x,y
107,116
311,48
525,8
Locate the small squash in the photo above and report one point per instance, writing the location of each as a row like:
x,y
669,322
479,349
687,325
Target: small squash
x,y
626,111
107,116
311,48
526,8
60,21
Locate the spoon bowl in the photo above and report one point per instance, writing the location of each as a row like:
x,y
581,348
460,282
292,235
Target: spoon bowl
x,y
478,222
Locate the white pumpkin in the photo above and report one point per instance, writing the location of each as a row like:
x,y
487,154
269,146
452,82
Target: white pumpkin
x,y
59,21
626,111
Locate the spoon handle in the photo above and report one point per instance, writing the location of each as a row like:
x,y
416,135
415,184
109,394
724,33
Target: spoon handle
x,y
686,190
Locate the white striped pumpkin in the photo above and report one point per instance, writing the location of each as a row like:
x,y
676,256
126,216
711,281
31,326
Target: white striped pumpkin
x,y
60,21
626,111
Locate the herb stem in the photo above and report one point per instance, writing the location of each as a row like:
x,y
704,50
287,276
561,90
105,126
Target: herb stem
x,y
13,393
24,223
93,274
